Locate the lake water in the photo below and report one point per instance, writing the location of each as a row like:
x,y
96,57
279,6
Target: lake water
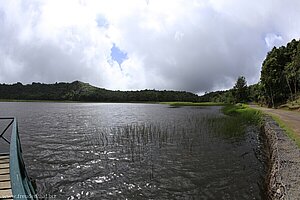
x,y
136,151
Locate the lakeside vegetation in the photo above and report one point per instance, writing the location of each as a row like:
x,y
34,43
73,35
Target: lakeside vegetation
x,y
177,104
244,112
240,117
79,91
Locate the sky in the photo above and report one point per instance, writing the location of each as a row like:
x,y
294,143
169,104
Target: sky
x,y
191,45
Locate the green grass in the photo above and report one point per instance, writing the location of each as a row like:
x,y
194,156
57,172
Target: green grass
x,y
238,118
244,112
228,127
290,132
193,103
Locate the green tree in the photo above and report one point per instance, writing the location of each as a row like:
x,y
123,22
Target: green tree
x,y
240,90
254,92
292,69
273,82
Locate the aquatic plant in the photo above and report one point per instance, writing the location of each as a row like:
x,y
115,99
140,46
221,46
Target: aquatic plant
x,y
244,113
176,104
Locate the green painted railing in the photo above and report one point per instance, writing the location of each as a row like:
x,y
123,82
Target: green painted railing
x,y
20,182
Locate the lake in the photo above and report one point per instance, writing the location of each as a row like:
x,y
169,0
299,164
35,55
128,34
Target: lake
x,y
137,151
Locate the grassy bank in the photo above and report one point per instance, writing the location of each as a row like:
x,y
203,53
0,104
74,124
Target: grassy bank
x,y
239,118
289,131
194,103
244,112
256,116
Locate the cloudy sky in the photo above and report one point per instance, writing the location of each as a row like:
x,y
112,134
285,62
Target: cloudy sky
x,y
193,45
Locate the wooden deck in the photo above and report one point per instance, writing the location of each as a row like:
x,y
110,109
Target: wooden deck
x,y
5,187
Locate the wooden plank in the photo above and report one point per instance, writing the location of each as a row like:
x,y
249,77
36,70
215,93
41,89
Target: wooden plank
x,y
5,185
4,157
4,171
5,194
6,160
4,165
5,177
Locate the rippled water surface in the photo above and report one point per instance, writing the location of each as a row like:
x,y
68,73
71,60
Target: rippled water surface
x,y
136,151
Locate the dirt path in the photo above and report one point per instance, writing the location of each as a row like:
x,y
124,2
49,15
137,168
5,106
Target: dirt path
x,y
291,118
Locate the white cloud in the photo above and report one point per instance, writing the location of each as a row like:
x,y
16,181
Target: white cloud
x,y
273,40
197,45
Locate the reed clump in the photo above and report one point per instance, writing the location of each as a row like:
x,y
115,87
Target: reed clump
x,y
244,113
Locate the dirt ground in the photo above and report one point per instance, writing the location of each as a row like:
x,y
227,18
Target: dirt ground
x,y
291,118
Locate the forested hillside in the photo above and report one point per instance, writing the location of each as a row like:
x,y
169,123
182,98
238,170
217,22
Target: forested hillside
x,y
79,91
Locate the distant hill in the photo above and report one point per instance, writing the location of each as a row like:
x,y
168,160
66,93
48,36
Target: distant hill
x,y
79,91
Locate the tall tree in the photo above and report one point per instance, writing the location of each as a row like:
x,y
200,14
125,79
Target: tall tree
x,y
240,90
292,69
273,81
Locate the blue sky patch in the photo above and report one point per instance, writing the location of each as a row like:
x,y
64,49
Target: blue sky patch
x,y
102,22
118,55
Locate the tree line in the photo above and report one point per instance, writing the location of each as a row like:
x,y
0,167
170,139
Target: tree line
x,y
280,75
79,91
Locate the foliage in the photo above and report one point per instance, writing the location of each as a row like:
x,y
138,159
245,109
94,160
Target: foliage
x,y
247,114
240,90
218,96
254,92
239,93
79,91
292,105
194,104
280,74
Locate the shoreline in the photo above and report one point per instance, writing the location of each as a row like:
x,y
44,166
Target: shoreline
x,y
69,101
283,177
